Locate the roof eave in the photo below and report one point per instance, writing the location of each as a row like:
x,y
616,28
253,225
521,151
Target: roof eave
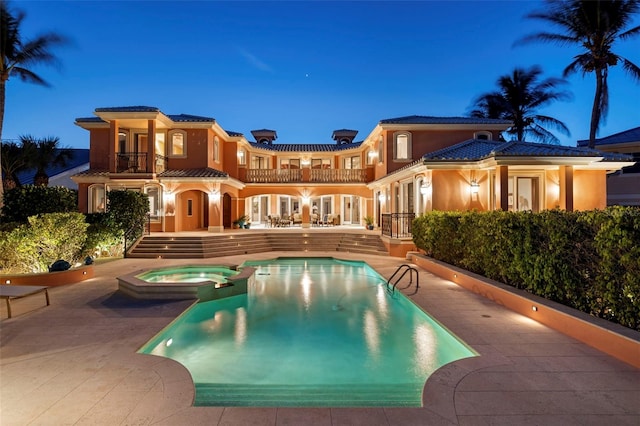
x,y
445,126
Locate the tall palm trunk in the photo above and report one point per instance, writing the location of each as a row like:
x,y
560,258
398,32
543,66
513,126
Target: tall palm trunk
x,y
41,179
3,82
596,109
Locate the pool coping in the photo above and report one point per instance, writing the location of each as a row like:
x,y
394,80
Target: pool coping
x,y
614,339
133,286
527,373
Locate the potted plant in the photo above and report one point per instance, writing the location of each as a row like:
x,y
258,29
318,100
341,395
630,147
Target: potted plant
x,y
239,222
369,221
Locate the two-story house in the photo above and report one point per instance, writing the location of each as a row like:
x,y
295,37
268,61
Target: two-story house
x,y
200,176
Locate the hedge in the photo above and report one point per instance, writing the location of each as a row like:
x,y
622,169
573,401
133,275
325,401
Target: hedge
x,y
587,260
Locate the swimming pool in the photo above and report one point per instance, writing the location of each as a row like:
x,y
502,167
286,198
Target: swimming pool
x,y
309,332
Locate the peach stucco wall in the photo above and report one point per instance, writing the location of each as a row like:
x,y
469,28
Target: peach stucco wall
x,y
589,189
452,190
552,190
57,278
99,149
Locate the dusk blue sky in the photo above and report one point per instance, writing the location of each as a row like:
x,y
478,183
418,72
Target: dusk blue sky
x,y
303,69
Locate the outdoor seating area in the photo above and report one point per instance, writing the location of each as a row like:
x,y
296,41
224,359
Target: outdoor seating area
x,y
275,221
279,221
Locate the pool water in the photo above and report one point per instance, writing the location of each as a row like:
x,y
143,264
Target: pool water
x,y
188,274
310,332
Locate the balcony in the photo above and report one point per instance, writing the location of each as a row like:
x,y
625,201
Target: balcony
x,y
338,175
136,162
274,175
307,175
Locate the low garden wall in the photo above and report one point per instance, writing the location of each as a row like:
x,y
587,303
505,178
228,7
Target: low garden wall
x,y
610,338
51,279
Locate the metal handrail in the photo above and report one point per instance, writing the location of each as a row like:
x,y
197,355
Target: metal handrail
x,y
397,225
406,268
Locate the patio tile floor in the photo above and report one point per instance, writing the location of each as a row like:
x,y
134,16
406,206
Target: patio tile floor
x,y
75,363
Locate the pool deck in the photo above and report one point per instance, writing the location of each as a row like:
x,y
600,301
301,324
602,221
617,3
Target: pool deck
x,y
75,363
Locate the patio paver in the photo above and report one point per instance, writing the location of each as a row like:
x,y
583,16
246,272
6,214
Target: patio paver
x,y
75,362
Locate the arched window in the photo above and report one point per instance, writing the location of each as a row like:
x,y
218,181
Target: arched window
x,y
483,135
242,157
370,156
402,146
177,143
216,149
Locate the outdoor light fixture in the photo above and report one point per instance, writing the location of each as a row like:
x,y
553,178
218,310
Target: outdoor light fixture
x,y
381,197
7,282
475,186
424,188
534,308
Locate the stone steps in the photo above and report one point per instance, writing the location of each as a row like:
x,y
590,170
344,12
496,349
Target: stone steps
x,y
184,247
309,395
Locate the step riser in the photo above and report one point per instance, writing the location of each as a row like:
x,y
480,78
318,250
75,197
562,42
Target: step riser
x,y
217,246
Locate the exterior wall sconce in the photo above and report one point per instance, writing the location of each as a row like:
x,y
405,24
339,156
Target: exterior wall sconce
x,y
475,186
305,200
424,188
381,197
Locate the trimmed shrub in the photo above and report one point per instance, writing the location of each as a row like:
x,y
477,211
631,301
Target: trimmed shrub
x,y
128,211
46,238
30,200
586,260
104,238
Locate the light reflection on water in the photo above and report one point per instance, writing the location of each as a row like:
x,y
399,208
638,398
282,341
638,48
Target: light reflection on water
x,y
322,322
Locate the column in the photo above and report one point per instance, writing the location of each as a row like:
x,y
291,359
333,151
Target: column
x,y
151,147
113,141
566,188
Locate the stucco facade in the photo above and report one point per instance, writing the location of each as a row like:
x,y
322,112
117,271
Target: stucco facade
x,y
201,176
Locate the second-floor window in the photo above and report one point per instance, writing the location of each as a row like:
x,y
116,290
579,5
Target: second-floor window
x,y
402,146
290,163
258,162
177,143
320,163
381,150
352,162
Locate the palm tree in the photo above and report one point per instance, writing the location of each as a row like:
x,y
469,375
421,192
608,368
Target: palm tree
x,y
45,153
17,55
592,26
15,159
519,95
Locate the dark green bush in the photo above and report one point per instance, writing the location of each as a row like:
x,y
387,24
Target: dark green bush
x,y
128,211
587,260
30,200
104,239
